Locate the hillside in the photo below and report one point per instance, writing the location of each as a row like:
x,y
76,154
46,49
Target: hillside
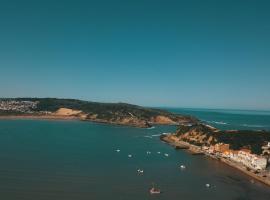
x,y
114,113
204,135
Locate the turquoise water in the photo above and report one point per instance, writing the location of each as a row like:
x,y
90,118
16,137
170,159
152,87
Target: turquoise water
x,y
72,160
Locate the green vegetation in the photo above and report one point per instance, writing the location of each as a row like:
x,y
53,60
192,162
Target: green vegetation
x,y
201,134
252,140
113,112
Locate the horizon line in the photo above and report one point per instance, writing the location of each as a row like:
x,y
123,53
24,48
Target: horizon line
x,y
161,106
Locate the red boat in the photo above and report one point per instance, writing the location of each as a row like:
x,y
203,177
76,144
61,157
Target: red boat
x,y
154,191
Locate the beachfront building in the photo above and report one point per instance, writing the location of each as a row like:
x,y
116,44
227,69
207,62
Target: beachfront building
x,y
266,149
218,149
221,147
248,159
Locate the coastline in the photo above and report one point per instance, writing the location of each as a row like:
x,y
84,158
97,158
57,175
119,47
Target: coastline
x,y
196,150
79,118
41,117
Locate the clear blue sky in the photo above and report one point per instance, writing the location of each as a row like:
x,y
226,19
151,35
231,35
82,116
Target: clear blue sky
x,y
209,54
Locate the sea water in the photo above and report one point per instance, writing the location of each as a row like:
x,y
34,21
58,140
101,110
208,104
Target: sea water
x,y
73,160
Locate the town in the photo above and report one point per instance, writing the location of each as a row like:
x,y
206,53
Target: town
x,y
256,166
18,106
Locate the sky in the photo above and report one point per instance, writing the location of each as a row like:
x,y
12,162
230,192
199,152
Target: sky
x,y
201,54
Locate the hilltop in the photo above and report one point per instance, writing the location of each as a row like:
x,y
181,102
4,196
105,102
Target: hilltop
x,y
113,113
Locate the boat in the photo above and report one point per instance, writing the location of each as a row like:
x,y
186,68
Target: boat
x,y
167,155
117,150
207,185
130,156
140,171
154,190
183,167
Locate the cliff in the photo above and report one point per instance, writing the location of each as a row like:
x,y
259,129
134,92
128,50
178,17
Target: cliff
x,y
205,135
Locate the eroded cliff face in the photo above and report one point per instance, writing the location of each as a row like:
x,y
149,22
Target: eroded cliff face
x,y
138,121
199,134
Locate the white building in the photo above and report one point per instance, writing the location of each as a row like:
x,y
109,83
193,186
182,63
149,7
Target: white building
x,y
245,157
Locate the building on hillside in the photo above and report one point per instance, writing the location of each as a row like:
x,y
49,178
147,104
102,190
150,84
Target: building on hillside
x,y
221,147
266,149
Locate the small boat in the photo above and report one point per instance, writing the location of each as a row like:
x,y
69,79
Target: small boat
x,y
167,155
140,171
148,152
117,150
183,167
130,156
158,152
207,185
155,191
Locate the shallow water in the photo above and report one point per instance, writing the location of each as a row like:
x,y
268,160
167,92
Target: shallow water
x,y
71,160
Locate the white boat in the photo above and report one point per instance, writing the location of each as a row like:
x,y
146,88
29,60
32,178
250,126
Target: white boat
x,y
117,150
207,185
158,152
183,167
140,171
130,156
148,152
165,154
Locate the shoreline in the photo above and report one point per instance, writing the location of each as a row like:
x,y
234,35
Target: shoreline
x,y
196,150
78,118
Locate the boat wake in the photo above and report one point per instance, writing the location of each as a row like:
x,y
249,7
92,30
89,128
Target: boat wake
x,y
148,136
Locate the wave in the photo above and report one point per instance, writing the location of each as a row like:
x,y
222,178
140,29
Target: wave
x,y
253,125
218,122
222,123
151,127
156,135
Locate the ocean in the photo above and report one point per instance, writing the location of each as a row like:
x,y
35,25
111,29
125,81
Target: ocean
x,y
74,160
230,119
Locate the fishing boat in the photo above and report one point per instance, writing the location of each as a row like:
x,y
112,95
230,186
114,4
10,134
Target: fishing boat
x,y
154,190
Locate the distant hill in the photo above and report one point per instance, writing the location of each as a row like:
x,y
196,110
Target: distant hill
x,y
114,113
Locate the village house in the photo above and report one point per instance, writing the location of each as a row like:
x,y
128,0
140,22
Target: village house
x,y
248,159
